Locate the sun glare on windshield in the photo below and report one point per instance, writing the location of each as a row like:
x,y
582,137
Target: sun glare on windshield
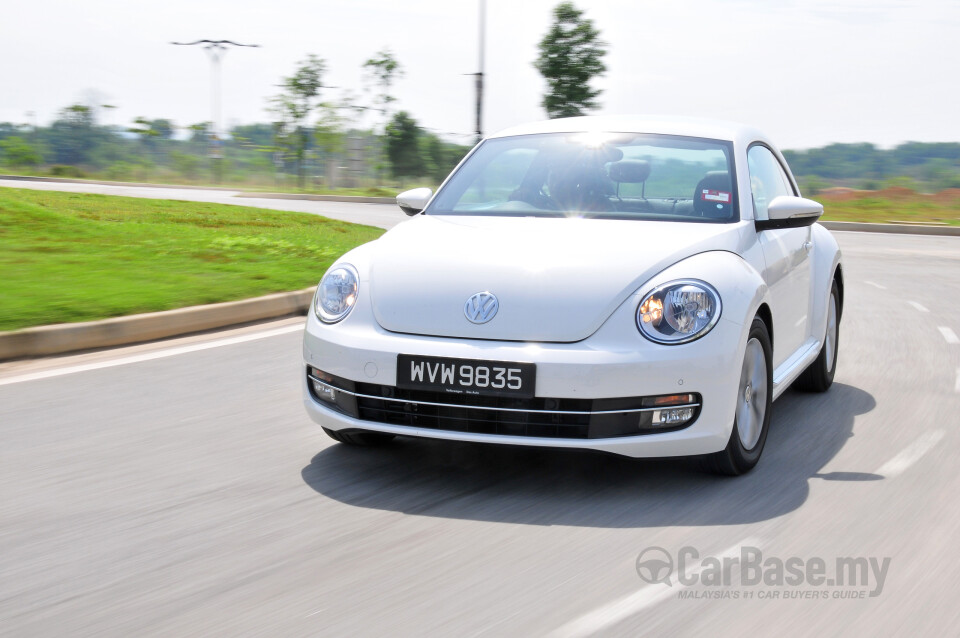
x,y
595,175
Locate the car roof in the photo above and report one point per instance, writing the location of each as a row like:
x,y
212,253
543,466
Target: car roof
x,y
653,124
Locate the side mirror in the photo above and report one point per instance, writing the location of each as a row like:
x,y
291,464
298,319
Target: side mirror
x,y
413,201
787,211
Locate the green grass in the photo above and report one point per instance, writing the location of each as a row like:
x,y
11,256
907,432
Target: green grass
x,y
892,205
68,257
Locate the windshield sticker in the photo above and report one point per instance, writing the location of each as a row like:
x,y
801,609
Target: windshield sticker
x,y
715,196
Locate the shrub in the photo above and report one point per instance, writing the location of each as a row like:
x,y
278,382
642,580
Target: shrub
x,y
66,170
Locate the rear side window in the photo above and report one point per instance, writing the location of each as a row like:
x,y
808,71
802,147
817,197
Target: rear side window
x,y
767,179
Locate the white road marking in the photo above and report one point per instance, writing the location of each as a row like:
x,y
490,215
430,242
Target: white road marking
x,y
148,356
956,386
948,334
604,617
918,307
911,454
875,285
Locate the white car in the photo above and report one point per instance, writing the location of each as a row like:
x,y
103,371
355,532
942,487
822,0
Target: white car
x,y
641,286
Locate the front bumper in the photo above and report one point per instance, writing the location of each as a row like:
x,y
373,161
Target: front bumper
x,y
614,362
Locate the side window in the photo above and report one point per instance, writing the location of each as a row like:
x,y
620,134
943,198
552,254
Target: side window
x,y
767,179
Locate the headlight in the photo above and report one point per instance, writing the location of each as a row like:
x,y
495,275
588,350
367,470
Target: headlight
x,y
679,311
337,293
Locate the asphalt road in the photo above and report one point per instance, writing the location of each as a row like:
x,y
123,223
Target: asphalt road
x,y
382,215
179,488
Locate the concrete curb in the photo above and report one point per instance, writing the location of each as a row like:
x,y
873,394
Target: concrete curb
x,y
70,180
357,199
902,229
120,331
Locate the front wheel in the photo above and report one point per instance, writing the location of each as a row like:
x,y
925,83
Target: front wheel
x,y
752,418
818,377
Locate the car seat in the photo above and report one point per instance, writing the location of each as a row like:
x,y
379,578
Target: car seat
x,y
713,197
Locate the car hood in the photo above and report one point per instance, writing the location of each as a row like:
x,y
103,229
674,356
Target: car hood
x,y
556,279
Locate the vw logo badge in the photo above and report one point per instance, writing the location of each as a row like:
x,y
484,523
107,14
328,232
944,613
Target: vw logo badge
x,y
481,307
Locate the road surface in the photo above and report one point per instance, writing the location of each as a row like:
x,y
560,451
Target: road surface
x,y
381,215
179,488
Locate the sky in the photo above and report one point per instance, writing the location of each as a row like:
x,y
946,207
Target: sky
x,y
806,72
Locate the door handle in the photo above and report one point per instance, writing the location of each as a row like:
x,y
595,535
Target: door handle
x,y
807,245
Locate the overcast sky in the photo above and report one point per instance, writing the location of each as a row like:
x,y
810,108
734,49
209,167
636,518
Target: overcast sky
x,y
807,72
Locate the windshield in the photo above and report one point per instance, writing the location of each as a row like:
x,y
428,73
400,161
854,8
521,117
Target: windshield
x,y
614,175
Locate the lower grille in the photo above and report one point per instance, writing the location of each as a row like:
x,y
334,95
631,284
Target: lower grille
x,y
510,416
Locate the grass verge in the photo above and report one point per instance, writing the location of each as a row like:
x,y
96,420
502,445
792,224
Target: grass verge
x,y
67,257
891,205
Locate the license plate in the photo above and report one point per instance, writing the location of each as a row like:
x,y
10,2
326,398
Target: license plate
x,y
466,376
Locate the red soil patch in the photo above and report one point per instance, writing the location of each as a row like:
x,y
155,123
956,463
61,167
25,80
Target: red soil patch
x,y
841,194
948,196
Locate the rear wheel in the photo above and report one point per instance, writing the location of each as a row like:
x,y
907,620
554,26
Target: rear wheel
x,y
752,418
359,437
818,377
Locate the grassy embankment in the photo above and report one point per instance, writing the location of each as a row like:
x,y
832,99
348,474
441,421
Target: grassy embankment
x,y
891,205
68,257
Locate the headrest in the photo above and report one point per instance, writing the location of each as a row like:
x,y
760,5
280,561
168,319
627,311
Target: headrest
x,y
630,171
714,197
717,178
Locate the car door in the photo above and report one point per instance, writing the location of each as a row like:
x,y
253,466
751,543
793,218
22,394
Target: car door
x,y
786,253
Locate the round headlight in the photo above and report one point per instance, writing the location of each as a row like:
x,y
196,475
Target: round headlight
x,y
337,293
679,311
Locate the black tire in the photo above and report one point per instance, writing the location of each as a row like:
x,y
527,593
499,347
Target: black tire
x,y
737,458
818,377
359,437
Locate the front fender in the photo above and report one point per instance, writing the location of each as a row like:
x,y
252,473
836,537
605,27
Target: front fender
x,y
742,289
742,292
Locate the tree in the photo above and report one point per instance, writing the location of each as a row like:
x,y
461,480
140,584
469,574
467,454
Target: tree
x,y
154,135
439,157
403,147
163,127
329,135
294,105
74,135
144,129
570,56
200,132
381,70
8,129
16,151
253,136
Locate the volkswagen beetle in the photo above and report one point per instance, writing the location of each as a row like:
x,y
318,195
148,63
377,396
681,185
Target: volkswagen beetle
x,y
635,285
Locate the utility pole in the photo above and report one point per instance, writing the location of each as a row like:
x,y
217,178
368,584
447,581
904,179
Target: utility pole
x,y
32,118
479,74
483,20
215,50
